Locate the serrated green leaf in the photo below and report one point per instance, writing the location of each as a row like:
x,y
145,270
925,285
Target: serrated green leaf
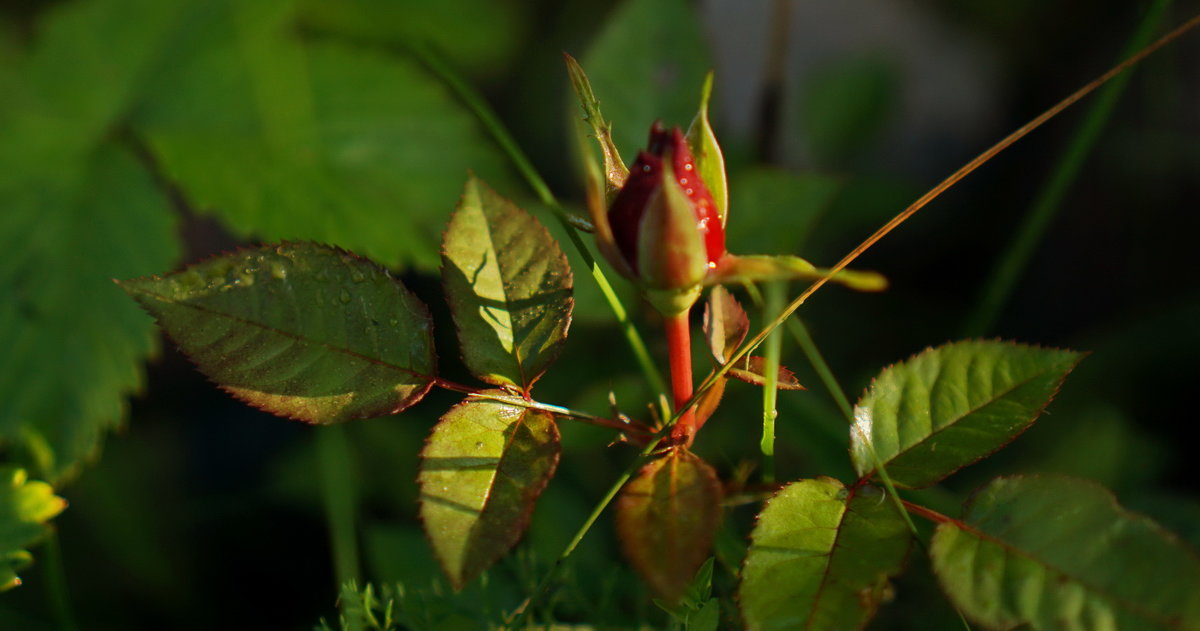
x,y
667,517
74,346
710,162
509,288
481,472
820,557
949,406
762,268
645,65
301,330
367,151
1059,553
25,507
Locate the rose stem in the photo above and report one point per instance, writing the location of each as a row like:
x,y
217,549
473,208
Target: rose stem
x,y
679,349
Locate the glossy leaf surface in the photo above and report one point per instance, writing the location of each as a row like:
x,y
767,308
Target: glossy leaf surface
x,y
1060,553
949,406
509,288
481,472
667,517
820,557
25,507
301,330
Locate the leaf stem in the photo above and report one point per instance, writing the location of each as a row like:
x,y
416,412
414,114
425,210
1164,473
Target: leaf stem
x,y
772,350
339,495
1008,271
570,223
679,351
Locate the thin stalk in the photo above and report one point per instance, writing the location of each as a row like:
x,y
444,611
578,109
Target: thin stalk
x,y
519,401
1016,257
570,223
679,350
340,498
56,582
800,332
772,350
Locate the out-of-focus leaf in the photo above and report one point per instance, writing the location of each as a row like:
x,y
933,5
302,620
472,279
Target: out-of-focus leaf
x,y
752,370
478,36
710,162
820,557
319,141
1060,553
615,171
509,288
667,517
481,472
725,324
846,107
949,406
25,507
301,330
761,268
775,211
646,64
73,345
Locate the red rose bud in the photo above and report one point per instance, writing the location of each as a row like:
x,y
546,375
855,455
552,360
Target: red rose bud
x,y
664,222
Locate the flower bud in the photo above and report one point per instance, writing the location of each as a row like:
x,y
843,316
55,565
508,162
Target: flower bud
x,y
664,222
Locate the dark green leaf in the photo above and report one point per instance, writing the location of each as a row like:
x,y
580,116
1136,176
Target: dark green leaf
x,y
74,346
949,406
481,472
300,330
25,507
775,211
667,517
315,141
820,557
1060,553
509,288
647,64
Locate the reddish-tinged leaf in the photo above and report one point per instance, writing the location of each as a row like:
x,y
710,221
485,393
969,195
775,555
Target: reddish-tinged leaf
x,y
301,330
751,370
667,517
725,324
482,469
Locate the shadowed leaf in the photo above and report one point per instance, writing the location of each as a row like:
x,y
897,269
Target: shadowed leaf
x,y
950,406
820,557
481,472
25,507
300,330
509,288
1059,553
667,517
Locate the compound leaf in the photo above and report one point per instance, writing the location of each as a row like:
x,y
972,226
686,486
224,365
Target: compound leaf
x,y
25,507
301,330
1060,553
509,288
952,405
820,557
482,469
667,517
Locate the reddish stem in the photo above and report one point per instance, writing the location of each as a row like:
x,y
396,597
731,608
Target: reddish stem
x,y
679,350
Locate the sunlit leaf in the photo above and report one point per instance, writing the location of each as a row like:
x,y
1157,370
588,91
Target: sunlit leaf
x,y
1059,553
667,517
615,171
761,268
509,288
646,64
949,406
820,557
752,370
725,324
25,507
481,472
710,162
73,345
300,330
287,139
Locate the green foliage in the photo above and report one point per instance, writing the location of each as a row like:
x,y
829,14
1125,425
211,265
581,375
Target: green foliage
x,y
248,321
481,471
509,288
949,406
1059,553
25,507
820,557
